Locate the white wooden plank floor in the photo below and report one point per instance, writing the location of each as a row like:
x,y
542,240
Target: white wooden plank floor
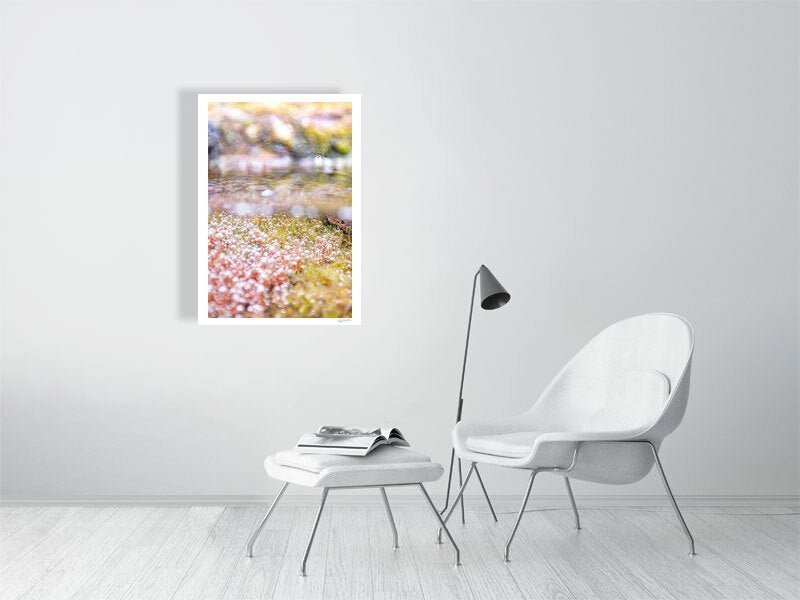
x,y
161,553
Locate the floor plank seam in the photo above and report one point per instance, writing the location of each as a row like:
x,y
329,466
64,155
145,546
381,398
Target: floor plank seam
x,y
25,523
703,547
485,525
57,527
156,552
110,554
54,565
413,554
199,550
283,554
229,578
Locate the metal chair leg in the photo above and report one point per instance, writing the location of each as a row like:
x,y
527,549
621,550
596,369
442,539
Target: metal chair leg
x,y
455,502
485,495
449,481
461,482
391,518
574,507
442,523
313,531
672,500
257,532
519,516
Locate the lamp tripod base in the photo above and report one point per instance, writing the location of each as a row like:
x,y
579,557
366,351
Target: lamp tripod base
x,y
461,483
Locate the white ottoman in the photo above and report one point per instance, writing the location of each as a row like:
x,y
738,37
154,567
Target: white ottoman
x,y
384,467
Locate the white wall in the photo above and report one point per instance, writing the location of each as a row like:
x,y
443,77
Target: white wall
x,y
604,160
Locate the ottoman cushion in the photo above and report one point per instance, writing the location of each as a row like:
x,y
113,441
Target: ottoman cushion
x,y
383,466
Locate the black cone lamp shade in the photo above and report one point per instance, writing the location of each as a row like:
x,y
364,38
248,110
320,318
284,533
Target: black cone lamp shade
x,y
493,294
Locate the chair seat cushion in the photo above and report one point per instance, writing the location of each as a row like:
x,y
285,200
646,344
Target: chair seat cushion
x,y
386,465
508,445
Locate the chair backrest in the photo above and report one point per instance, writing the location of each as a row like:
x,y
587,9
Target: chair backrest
x,y
634,375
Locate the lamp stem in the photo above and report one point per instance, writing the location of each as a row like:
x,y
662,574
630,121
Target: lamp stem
x,y
460,392
466,347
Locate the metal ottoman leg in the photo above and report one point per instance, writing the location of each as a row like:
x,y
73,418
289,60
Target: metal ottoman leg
x,y
257,532
313,531
442,523
391,518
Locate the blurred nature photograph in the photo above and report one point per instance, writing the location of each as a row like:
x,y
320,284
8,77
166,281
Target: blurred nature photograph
x,y
279,226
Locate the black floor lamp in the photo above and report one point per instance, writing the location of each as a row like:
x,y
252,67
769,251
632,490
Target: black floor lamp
x,y
493,295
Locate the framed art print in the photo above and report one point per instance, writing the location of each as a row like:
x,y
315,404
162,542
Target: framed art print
x,y
279,227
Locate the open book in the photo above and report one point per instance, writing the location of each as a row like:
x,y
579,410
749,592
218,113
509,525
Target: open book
x,y
349,441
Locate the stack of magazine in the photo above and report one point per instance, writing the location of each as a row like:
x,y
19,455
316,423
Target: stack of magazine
x,y
349,441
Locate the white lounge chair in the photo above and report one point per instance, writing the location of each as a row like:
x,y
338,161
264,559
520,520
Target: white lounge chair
x,y
601,419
